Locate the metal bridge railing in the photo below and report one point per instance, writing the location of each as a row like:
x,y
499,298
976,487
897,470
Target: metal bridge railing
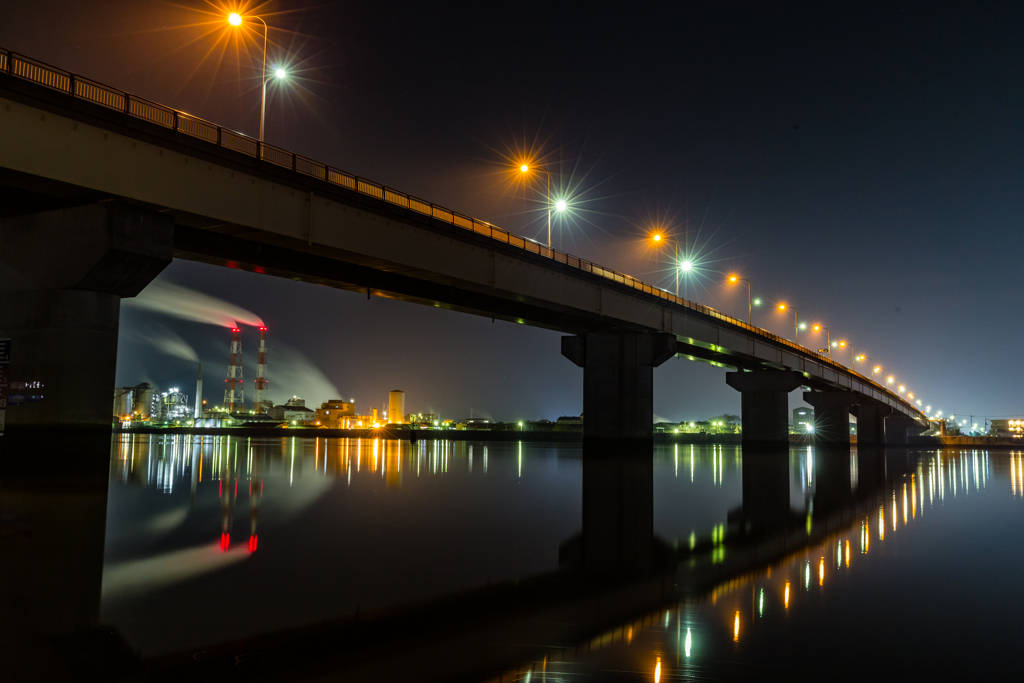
x,y
29,69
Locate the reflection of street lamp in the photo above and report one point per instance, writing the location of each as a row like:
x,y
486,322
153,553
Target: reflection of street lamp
x,y
235,19
733,279
796,325
560,205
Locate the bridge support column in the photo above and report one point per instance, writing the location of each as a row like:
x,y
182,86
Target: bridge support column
x,y
897,429
831,415
871,424
765,404
618,381
62,276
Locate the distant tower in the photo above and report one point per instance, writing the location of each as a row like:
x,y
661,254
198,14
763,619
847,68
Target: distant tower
x,y
396,407
199,393
261,373
234,393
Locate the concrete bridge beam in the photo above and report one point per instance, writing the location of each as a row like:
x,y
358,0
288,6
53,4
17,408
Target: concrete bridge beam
x,y
618,381
832,415
765,404
63,274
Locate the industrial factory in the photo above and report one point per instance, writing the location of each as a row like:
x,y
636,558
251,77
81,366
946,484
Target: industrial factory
x,y
145,406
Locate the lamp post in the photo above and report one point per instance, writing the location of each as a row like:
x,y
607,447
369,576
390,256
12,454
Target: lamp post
x,y
733,279
828,338
560,205
235,19
796,323
853,355
677,265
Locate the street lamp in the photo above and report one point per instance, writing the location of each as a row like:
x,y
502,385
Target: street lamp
x,y
828,338
560,205
677,265
796,325
733,279
235,19
853,355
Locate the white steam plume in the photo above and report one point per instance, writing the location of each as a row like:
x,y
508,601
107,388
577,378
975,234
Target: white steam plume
x,y
188,304
166,341
292,372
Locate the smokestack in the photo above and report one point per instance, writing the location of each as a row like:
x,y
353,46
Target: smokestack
x,y
261,373
234,392
199,393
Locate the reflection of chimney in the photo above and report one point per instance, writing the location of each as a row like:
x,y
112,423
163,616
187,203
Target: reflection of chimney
x,y
234,394
199,393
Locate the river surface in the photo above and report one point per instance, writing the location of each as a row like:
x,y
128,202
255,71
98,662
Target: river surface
x,y
215,539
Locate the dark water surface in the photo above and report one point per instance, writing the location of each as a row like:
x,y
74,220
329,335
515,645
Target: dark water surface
x,y
221,538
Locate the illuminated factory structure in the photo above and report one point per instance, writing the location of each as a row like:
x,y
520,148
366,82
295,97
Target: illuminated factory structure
x,y
259,406
234,392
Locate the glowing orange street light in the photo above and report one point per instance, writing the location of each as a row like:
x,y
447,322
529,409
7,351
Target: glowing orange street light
x,y
733,279
796,325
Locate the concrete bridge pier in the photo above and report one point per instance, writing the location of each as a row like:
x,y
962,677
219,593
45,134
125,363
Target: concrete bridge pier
x,y
831,415
618,381
871,423
765,404
897,429
63,274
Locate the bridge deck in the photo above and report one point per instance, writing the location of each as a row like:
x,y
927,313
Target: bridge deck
x,y
242,203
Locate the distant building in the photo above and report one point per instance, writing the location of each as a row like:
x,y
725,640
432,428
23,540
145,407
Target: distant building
x,y
296,402
569,423
803,420
1011,427
333,414
339,414
292,413
423,420
396,407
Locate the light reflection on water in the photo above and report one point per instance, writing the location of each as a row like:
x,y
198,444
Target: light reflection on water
x,y
937,595
195,522
210,539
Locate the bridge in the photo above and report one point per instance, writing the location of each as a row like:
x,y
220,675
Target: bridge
x,y
101,189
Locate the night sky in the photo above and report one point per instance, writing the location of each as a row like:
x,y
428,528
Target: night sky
x,y
863,163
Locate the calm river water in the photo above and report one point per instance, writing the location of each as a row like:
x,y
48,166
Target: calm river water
x,y
214,539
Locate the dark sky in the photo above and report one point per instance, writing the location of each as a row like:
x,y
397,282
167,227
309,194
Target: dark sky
x,y
863,162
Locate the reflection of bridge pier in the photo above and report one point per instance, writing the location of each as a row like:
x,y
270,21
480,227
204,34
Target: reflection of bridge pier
x,y
765,490
51,551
